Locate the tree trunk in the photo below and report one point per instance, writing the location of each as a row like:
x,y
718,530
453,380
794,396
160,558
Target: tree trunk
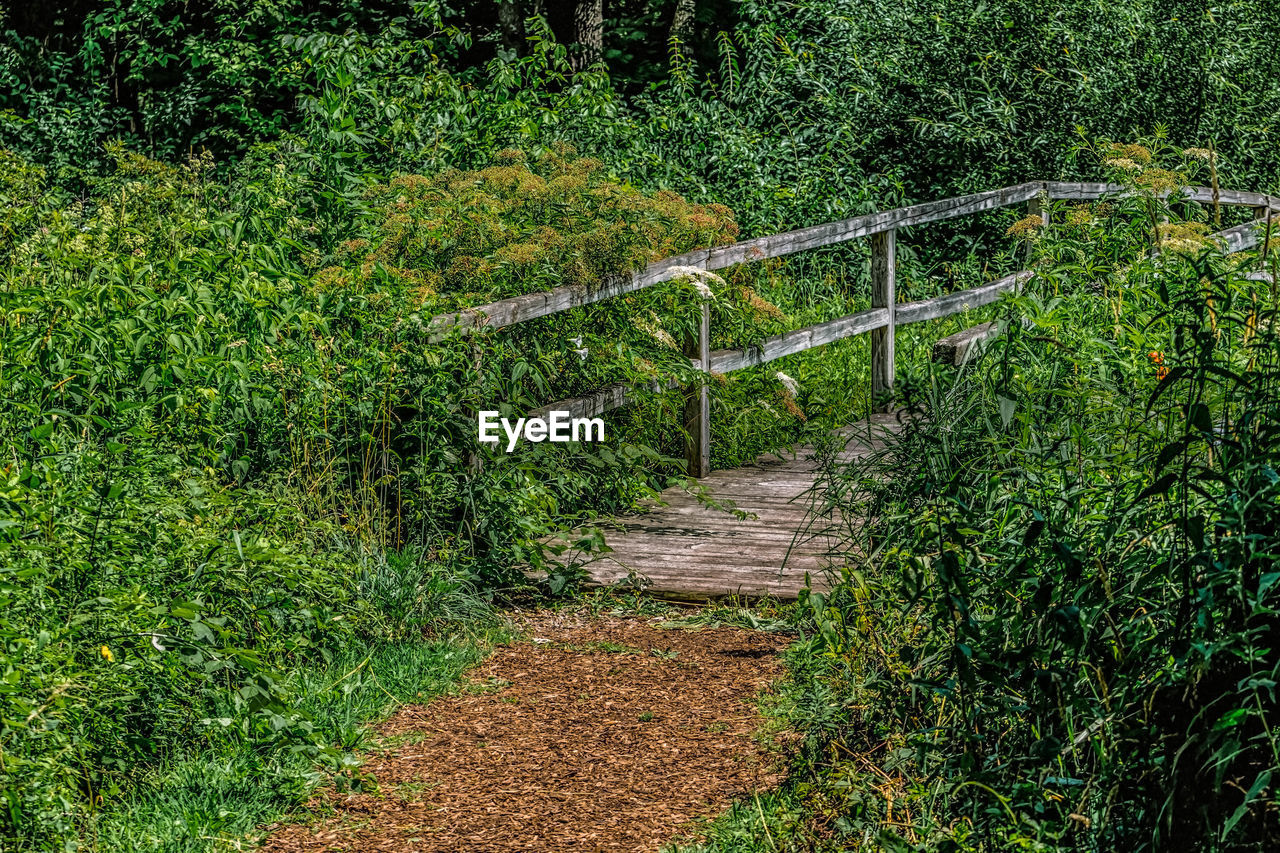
x,y
511,26
682,23
588,25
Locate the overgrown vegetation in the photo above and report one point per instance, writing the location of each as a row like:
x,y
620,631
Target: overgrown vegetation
x,y
215,440
1064,636
234,453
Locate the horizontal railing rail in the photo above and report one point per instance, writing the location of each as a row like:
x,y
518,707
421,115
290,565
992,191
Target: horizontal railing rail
x,y
880,320
518,309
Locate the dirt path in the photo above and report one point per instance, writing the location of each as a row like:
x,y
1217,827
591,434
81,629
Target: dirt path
x,y
593,735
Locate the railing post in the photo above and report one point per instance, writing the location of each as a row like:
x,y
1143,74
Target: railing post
x,y
882,296
697,404
1038,207
475,462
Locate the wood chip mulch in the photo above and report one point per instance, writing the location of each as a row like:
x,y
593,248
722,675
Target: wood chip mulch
x,y
603,734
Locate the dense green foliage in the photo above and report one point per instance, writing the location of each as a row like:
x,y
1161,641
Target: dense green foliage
x,y
1066,634
804,113
234,453
212,435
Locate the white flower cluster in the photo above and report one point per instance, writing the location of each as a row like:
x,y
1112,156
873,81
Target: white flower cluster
x,y
701,279
1124,163
653,328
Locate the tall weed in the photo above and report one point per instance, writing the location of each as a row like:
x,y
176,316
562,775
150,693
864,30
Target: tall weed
x,y
1065,631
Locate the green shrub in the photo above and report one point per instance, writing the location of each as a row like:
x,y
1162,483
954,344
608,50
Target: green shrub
x,y
1074,555
232,449
463,237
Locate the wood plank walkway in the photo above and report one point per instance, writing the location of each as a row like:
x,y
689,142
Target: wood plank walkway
x,y
682,549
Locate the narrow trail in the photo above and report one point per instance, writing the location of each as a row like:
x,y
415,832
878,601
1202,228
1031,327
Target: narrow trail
x,y
608,734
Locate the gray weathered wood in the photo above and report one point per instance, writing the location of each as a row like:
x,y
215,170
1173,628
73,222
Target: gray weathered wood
x,y
687,550
883,296
958,348
1091,191
961,300
697,403
1232,198
588,405
599,402
726,360
727,552
743,531
782,493
777,245
1039,206
517,309
1239,238
771,493
1081,191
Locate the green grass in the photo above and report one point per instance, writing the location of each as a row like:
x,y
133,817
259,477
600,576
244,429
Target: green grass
x,y
219,799
766,821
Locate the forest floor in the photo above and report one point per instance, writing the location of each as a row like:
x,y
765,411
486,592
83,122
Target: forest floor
x,y
590,734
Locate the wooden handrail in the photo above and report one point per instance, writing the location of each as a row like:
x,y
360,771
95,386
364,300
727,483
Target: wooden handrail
x,y
799,340
885,315
530,306
815,236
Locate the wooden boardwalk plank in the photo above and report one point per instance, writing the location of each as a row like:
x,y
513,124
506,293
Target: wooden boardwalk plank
x,y
680,548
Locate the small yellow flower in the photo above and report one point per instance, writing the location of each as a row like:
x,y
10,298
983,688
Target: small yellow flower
x,y
1186,237
789,403
1079,216
106,654
1160,181
1027,226
1137,153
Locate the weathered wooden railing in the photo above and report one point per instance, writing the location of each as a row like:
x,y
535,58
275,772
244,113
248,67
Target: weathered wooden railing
x,y
881,320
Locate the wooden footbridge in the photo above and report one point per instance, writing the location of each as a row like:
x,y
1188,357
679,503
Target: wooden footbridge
x,y
777,542
763,533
